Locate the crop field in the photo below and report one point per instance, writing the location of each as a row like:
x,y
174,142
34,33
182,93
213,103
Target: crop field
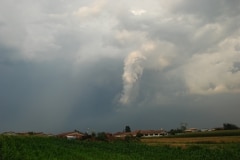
x,y
188,141
209,139
221,133
51,148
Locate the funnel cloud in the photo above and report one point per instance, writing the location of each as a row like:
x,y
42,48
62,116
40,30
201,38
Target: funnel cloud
x,y
133,70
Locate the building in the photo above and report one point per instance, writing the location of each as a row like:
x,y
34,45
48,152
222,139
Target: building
x,y
191,130
9,133
142,133
153,133
71,135
122,134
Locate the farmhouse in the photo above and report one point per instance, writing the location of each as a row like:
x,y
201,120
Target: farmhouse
x,y
153,133
9,133
143,133
71,135
192,130
122,134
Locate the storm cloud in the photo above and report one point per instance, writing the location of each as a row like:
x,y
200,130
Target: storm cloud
x,y
68,65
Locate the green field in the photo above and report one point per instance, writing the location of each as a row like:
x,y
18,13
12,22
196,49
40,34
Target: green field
x,y
51,148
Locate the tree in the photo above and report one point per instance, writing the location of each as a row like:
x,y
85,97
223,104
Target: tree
x,y
129,138
93,134
229,126
139,135
175,131
183,126
127,129
102,136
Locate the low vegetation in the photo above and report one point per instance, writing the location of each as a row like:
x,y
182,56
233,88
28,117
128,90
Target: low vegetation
x,y
52,148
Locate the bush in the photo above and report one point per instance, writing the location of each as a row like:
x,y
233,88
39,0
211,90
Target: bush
x,y
229,126
102,136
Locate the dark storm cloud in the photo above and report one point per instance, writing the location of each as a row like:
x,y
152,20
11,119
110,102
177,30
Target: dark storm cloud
x,y
91,64
48,94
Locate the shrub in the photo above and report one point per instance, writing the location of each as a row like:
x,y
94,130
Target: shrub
x,y
102,136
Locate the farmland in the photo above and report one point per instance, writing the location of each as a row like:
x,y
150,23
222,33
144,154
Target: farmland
x,y
184,142
199,138
174,148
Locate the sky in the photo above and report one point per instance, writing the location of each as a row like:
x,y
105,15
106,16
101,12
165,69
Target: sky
x,y
99,65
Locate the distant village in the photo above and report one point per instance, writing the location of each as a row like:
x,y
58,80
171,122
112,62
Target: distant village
x,y
126,133
86,135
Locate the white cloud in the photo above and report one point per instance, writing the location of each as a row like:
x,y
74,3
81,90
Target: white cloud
x,y
92,10
214,72
138,12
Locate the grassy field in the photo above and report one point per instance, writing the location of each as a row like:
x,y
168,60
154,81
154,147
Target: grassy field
x,y
50,148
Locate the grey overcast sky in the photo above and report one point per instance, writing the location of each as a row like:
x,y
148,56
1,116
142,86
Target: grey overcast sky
x,y
100,65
